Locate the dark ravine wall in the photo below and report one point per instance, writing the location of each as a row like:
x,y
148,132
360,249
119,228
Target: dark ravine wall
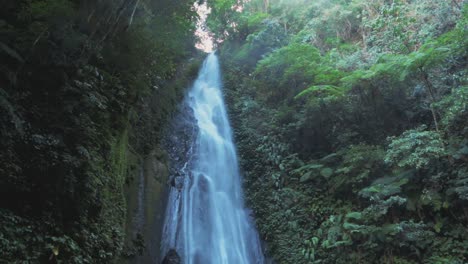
x,y
146,196
151,174
85,90
134,198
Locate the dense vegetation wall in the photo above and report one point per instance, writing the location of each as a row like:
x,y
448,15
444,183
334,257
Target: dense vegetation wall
x,y
85,89
351,123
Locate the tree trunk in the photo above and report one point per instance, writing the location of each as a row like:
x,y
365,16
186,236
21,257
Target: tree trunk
x,y
430,89
266,5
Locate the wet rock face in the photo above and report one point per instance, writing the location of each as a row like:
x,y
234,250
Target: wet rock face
x,y
179,142
172,258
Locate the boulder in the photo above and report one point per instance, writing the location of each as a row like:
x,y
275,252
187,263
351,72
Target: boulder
x,y
171,257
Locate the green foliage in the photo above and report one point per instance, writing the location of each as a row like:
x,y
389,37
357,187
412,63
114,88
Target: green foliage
x,y
222,17
288,60
312,115
261,42
326,91
460,185
310,247
356,167
330,24
43,241
426,57
412,24
254,22
48,9
297,65
384,187
415,148
454,107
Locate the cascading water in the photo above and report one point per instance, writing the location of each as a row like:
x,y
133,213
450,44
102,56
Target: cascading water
x,y
206,221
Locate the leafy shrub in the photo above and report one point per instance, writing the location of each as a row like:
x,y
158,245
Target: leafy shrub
x,y
454,106
415,148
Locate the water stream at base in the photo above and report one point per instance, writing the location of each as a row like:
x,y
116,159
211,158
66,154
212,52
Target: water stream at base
x,y
206,220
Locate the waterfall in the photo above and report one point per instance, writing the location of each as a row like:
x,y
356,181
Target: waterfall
x,y
206,220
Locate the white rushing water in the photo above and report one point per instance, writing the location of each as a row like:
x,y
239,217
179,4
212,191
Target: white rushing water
x,y
206,221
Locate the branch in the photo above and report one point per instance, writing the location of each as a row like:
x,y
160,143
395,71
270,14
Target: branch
x,y
133,14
